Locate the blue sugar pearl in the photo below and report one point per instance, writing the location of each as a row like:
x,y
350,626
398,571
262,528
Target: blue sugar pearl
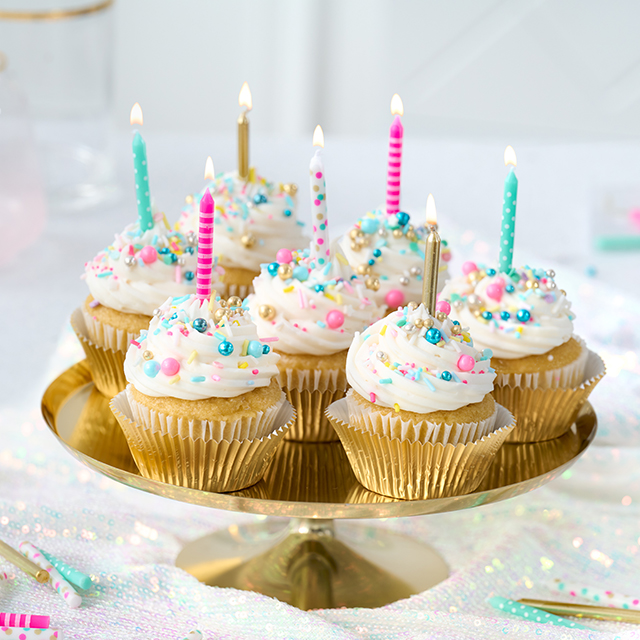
x,y
510,288
487,354
446,375
163,250
151,368
487,315
225,348
523,315
301,273
174,316
371,262
433,335
189,275
287,213
174,257
254,348
403,218
200,324
456,322
491,272
377,253
260,198
189,250
505,315
265,349
369,225
319,288
273,269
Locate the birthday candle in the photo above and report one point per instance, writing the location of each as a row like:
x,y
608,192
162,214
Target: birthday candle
x,y
205,246
141,172
24,620
394,167
509,200
60,584
193,635
73,575
21,633
320,250
530,613
602,596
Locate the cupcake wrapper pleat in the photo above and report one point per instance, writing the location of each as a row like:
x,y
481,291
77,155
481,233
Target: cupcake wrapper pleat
x,y
240,290
311,392
417,470
206,465
106,336
107,365
544,414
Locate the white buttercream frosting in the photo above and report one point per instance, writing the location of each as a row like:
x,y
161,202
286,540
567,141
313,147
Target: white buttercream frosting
x,y
258,211
141,269
394,364
398,257
315,310
174,358
488,302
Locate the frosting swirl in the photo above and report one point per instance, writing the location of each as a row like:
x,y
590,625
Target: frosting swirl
x,y
196,349
515,315
313,310
252,220
414,362
397,251
141,269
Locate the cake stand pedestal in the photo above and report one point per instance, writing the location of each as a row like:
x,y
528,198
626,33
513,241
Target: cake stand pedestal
x,y
304,550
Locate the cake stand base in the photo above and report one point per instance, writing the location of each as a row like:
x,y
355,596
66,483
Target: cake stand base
x,y
315,564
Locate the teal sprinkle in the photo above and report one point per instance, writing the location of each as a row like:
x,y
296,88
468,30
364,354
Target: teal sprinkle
x,y
414,246
300,224
384,277
198,379
402,252
218,335
180,299
428,383
289,201
155,239
455,377
104,274
156,332
421,253
165,324
401,322
321,324
114,255
250,383
326,270
385,381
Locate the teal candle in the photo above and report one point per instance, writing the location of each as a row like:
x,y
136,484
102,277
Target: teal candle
x,y
509,200
142,182
531,614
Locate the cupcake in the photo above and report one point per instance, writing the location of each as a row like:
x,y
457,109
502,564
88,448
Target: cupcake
x,y
420,421
127,281
202,408
253,219
388,251
314,312
544,371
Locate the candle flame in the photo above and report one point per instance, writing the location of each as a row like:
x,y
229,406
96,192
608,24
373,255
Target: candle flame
x,y
244,99
510,156
397,108
209,173
318,137
432,216
136,114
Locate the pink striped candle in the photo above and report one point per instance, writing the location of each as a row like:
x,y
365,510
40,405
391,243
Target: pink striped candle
x,y
24,620
320,250
205,246
394,167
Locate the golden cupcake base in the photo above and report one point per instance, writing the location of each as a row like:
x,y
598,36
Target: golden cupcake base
x,y
303,558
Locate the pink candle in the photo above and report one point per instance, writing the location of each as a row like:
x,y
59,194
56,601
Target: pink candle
x,y
205,246
394,168
24,620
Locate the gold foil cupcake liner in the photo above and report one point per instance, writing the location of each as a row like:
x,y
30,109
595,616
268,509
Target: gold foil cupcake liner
x,y
240,290
106,336
565,377
391,425
200,464
545,414
107,365
311,392
242,428
417,470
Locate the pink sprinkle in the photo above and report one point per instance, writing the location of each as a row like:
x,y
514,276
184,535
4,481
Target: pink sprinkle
x,y
215,378
573,593
272,339
94,303
218,364
372,397
255,372
137,344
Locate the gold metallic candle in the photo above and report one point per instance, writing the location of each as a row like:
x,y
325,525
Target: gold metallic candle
x,y
584,610
16,558
431,259
244,99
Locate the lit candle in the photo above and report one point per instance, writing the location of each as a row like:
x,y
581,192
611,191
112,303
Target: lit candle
x,y
431,259
244,99
205,239
141,172
508,211
394,167
320,250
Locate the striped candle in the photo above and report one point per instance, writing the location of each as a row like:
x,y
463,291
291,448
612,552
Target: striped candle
x,y
24,620
320,250
394,167
205,246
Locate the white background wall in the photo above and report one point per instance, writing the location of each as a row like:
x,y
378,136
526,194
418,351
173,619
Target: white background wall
x,y
561,69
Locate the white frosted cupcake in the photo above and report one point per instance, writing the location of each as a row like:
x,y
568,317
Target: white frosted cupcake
x,y
389,252
419,421
314,312
526,321
253,219
202,408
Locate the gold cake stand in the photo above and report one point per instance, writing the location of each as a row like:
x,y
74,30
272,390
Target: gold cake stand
x,y
304,553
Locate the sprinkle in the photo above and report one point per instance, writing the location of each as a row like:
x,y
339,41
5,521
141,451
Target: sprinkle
x,y
428,383
396,407
198,379
385,381
383,330
372,397
245,346
174,379
271,339
218,335
192,356
455,377
288,289
178,275
242,365
104,274
94,303
215,378
321,324
401,322
136,344
343,260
